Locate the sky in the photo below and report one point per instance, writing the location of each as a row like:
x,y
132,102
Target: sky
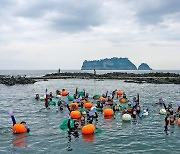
x,y
52,34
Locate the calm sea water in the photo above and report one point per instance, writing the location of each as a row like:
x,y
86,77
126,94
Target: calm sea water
x,y
144,136
43,72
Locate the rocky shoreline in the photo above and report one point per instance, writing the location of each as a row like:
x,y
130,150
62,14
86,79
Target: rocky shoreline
x,y
11,80
154,78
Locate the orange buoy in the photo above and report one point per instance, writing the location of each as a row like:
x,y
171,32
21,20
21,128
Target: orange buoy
x,y
75,115
19,128
88,129
179,121
108,112
119,93
129,110
123,100
102,99
64,93
88,105
74,106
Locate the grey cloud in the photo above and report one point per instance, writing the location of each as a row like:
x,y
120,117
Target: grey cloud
x,y
69,15
154,11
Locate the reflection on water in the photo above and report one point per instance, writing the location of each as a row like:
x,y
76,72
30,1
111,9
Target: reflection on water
x,y
19,140
88,138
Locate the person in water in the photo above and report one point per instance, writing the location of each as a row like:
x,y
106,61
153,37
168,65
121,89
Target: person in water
x,y
73,129
160,102
178,111
168,108
22,122
91,115
37,97
114,93
124,95
135,102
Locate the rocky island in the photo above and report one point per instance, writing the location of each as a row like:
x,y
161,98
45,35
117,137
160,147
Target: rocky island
x,y
109,64
113,64
144,66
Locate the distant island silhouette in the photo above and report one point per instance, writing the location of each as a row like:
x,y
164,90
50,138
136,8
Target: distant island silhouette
x,y
113,64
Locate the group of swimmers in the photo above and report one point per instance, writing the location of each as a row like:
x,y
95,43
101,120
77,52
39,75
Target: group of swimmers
x,y
100,103
171,114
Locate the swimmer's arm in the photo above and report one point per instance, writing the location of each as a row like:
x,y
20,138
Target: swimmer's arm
x,y
68,108
28,129
13,119
138,99
69,126
106,94
164,106
84,92
96,115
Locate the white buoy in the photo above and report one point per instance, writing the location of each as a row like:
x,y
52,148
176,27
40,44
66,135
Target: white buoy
x,y
42,98
92,108
58,96
162,111
126,117
145,113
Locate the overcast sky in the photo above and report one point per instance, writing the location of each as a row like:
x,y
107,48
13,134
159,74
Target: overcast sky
x,y
52,34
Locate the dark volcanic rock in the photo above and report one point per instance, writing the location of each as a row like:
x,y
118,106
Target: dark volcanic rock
x,y
7,80
156,78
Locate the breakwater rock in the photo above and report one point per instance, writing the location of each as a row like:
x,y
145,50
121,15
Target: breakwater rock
x,y
11,80
156,78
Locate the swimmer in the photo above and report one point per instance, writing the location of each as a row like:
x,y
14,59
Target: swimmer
x,y
73,130
47,100
178,111
114,93
124,95
14,122
37,97
161,101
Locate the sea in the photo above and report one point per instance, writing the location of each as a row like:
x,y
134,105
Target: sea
x,y
145,135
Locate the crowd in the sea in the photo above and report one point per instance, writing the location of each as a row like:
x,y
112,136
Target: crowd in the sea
x,y
82,110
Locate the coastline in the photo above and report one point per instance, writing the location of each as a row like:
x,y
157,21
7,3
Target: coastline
x,y
154,78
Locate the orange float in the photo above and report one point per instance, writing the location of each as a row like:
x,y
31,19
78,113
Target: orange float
x,y
119,93
88,129
75,115
64,93
102,99
129,110
88,105
74,106
179,121
108,112
19,128
123,100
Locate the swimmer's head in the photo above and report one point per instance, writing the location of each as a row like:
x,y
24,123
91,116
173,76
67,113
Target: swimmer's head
x,y
76,123
23,122
82,118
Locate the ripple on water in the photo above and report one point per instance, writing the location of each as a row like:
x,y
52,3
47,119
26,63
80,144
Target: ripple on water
x,y
144,136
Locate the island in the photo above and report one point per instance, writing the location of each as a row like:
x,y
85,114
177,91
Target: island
x,y
109,64
144,66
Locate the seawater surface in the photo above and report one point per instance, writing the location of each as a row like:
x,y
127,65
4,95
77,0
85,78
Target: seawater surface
x,y
32,73
144,136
